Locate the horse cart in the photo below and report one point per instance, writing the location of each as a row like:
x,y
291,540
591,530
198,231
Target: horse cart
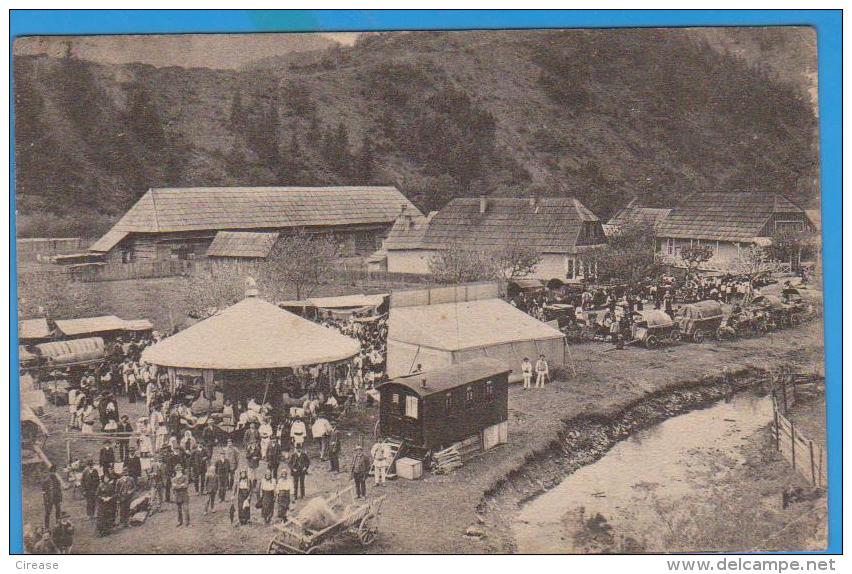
x,y
697,320
346,515
651,327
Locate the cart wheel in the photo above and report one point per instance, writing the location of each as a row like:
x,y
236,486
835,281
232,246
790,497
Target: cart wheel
x,y
368,529
698,336
275,548
650,342
674,336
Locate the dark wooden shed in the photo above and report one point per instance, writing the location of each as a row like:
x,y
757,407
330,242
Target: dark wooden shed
x,y
437,408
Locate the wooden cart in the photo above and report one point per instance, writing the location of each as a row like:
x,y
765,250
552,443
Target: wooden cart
x,y
358,519
651,327
697,320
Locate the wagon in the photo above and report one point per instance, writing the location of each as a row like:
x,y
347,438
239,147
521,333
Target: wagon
x,y
697,320
353,517
652,327
777,312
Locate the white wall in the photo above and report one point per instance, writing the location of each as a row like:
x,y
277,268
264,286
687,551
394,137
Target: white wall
x,y
726,252
409,261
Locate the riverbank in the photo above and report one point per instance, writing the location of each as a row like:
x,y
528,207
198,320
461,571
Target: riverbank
x,y
432,515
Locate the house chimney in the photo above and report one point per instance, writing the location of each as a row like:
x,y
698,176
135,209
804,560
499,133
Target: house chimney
x,y
423,383
402,208
533,200
251,287
483,203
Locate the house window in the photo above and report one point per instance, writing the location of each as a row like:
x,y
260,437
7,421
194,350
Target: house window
x,y
411,407
468,397
670,245
448,404
395,399
789,226
489,391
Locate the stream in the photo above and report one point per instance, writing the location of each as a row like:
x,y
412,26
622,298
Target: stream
x,y
666,463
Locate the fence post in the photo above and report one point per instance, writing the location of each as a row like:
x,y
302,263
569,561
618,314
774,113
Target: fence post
x,y
784,394
792,444
775,415
813,470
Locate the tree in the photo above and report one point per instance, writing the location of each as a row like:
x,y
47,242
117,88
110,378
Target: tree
x,y
237,118
628,255
302,260
365,163
202,294
791,246
143,119
753,262
462,264
694,255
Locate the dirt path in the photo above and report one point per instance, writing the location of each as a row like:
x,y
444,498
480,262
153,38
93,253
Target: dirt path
x,y
432,514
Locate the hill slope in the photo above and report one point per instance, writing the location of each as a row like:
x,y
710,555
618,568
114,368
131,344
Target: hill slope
x,y
602,115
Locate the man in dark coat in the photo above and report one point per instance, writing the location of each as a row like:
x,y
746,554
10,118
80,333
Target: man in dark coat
x,y
106,506
51,490
273,456
208,438
334,449
106,457
251,436
89,483
180,486
124,488
223,474
360,467
299,463
198,468
133,465
124,426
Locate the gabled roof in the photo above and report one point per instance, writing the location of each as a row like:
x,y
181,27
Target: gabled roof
x,y
724,216
633,213
252,334
164,210
252,245
440,380
551,225
467,325
407,231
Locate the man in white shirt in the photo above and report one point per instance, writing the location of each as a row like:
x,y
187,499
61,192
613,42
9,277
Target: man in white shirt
x,y
542,372
527,372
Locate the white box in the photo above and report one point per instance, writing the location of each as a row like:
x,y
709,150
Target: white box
x,y
409,468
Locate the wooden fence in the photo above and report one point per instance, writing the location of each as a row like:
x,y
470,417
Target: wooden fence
x,y
807,458
136,270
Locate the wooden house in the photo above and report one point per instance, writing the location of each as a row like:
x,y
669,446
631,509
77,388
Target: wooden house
x,y
634,213
434,409
241,250
727,223
559,228
182,223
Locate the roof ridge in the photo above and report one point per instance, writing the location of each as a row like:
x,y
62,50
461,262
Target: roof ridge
x,y
154,209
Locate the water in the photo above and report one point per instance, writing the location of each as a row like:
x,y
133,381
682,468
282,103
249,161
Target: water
x,y
673,460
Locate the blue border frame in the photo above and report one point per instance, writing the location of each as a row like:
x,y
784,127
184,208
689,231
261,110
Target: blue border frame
x,y
829,27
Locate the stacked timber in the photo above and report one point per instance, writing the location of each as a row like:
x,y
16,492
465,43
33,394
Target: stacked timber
x,y
456,455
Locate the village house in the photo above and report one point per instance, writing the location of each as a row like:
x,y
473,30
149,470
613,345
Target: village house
x,y
727,223
182,223
632,214
561,229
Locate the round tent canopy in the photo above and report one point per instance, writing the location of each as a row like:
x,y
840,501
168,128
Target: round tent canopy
x,y
252,334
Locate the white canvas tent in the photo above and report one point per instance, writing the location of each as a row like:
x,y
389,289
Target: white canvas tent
x,y
444,334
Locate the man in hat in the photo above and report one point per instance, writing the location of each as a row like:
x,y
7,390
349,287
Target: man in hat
x,y
334,449
198,461
253,461
133,465
124,487
273,456
180,486
542,372
251,436
89,483
51,489
298,432
360,467
124,426
63,534
299,463
232,453
106,505
106,457
223,475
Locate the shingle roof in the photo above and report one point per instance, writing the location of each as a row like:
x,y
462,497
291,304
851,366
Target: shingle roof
x,y
632,213
724,216
439,380
407,231
33,329
552,225
164,210
88,325
254,245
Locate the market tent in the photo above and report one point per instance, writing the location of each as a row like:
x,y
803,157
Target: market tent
x,y
445,334
90,325
138,325
33,329
73,352
252,334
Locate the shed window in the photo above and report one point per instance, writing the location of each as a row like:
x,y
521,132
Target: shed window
x,y
395,398
411,407
489,390
448,403
468,396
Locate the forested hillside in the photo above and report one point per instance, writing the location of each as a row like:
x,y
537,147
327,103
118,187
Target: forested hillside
x,y
602,115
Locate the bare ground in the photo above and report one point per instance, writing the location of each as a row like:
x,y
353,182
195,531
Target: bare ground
x,y
431,515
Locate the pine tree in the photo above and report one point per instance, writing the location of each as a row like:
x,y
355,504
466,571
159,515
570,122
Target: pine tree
x,y
365,163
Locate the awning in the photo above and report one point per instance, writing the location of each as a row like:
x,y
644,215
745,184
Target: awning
x,y
33,329
139,325
90,325
253,334
73,352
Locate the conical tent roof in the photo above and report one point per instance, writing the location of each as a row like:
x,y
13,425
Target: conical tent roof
x,y
253,334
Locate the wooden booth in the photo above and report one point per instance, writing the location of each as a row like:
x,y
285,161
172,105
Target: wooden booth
x,y
434,409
